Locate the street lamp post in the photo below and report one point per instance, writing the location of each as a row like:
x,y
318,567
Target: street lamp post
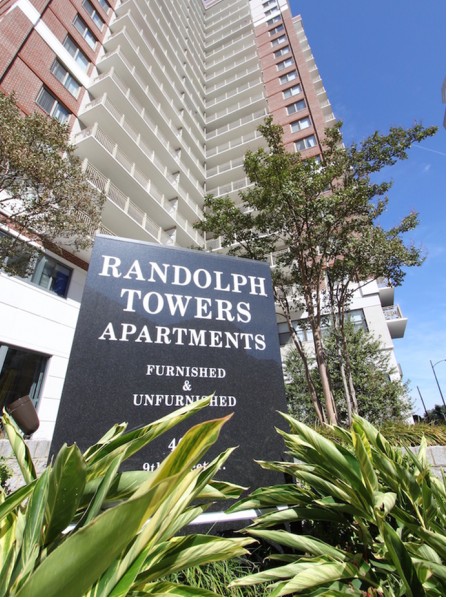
x,y
434,373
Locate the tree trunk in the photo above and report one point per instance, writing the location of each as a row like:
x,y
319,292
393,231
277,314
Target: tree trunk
x,y
312,390
330,407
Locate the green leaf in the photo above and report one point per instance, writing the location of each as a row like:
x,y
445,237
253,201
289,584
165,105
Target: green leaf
x,y
402,561
181,553
364,456
101,493
385,502
192,447
66,486
136,439
275,574
318,574
15,499
33,530
163,589
86,554
306,544
20,449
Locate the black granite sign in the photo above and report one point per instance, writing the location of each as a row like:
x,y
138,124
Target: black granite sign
x,y
162,327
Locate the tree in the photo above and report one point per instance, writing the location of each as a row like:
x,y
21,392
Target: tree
x,y
44,194
436,414
318,224
381,396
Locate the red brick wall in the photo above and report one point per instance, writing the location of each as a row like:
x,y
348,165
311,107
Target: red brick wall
x,y
274,90
25,58
14,28
5,5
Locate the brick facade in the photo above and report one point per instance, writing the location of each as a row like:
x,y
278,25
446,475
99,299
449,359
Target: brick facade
x,y
274,89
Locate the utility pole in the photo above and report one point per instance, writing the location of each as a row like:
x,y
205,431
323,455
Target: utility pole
x,y
424,408
434,373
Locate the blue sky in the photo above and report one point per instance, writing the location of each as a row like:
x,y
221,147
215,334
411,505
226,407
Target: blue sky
x,y
383,64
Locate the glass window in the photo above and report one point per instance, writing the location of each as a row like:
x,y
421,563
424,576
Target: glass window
x,y
88,7
85,32
276,30
279,40
52,106
282,51
21,374
357,318
274,20
104,4
38,268
51,275
287,62
307,142
300,124
80,58
295,107
272,11
292,91
63,75
288,77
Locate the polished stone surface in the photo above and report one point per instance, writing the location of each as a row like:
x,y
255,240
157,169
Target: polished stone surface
x,y
159,327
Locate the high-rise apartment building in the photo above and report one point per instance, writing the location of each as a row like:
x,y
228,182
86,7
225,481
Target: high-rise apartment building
x,y
163,99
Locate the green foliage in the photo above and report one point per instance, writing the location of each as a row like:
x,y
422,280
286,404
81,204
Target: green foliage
x,y
402,434
5,474
380,398
436,414
85,528
319,224
381,508
44,193
217,577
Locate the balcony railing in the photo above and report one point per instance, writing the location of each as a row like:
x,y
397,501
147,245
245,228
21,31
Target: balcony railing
x,y
119,199
239,141
236,124
392,312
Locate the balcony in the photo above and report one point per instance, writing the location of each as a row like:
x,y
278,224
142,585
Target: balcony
x,y
247,124
386,292
237,111
396,322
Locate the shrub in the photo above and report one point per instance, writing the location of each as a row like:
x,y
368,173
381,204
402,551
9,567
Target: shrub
x,y
383,506
5,475
84,528
399,433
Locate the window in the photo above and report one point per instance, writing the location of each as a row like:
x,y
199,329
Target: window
x,y
52,106
271,11
85,32
300,124
51,275
292,91
287,62
21,374
274,20
276,30
288,77
40,269
80,58
282,51
357,319
104,4
279,40
63,75
307,142
268,3
88,7
295,107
